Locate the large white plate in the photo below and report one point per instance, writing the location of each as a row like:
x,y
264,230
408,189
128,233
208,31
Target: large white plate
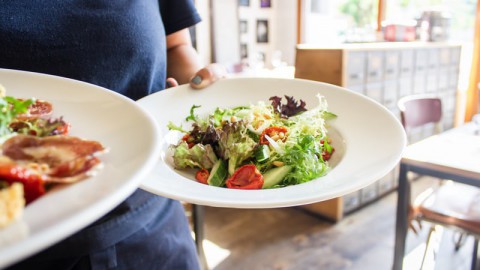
x,y
368,138
98,114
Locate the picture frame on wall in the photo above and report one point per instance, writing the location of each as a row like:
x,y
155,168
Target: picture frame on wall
x,y
244,3
243,51
265,3
262,31
243,24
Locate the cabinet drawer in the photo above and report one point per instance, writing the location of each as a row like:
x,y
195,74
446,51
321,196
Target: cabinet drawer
x,y
421,57
442,78
445,56
432,82
448,102
386,184
357,88
405,87
375,66
355,68
419,83
433,59
392,65
453,77
406,63
374,91
390,93
368,193
351,201
455,53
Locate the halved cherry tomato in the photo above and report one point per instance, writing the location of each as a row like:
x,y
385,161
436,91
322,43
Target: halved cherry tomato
x,y
33,182
202,176
275,133
189,140
327,155
246,177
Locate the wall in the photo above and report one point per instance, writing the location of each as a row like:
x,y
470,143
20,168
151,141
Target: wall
x,y
281,22
215,34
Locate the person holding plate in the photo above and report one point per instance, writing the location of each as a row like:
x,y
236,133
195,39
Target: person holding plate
x,y
135,48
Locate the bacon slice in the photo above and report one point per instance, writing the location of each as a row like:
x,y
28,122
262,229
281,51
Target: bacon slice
x,y
62,159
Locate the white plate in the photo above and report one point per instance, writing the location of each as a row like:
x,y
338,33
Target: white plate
x,y
368,137
95,113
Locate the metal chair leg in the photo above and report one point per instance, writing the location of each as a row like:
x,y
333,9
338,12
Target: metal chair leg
x,y
198,212
460,241
475,254
428,245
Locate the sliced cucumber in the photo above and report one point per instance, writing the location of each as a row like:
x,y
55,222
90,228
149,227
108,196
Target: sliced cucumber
x,y
262,153
217,174
275,175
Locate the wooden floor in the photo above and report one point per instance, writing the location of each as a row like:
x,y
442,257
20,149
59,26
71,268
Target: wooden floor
x,y
289,238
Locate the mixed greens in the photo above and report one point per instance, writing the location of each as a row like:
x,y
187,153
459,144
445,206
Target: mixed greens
x,y
263,145
10,107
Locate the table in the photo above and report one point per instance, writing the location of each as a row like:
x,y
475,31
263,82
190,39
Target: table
x,y
453,155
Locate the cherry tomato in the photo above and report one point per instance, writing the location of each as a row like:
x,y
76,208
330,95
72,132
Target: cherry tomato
x,y
246,177
33,183
275,133
189,140
202,176
326,155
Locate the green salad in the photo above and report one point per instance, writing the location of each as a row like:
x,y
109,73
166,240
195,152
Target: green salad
x,y
269,144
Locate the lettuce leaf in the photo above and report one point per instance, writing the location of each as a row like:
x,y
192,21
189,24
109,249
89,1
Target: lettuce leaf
x,y
199,156
235,145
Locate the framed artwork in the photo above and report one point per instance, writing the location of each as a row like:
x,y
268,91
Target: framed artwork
x,y
243,24
243,51
262,31
265,3
244,3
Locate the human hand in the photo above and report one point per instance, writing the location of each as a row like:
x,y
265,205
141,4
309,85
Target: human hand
x,y
204,77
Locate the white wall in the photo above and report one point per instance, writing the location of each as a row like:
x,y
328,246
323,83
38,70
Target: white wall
x,y
282,21
286,29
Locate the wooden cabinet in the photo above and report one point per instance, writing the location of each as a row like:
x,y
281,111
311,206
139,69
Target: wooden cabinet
x,y
384,72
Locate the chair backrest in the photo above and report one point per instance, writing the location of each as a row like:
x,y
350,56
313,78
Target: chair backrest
x,y
419,110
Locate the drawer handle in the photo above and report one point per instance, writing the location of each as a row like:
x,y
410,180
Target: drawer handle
x,y
355,76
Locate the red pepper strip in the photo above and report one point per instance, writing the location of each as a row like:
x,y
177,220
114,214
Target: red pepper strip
x,y
33,183
272,132
246,177
202,176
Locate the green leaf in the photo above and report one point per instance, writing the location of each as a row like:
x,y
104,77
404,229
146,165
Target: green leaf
x,y
192,115
10,107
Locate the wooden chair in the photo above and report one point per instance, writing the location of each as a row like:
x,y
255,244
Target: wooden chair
x,y
451,205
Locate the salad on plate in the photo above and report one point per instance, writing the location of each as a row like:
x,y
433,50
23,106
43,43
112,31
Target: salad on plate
x,y
269,144
36,153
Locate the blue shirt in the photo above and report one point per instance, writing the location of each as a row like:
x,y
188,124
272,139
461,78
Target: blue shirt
x,y
120,45
117,44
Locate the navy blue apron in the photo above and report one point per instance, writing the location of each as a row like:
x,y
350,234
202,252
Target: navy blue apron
x,y
119,45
